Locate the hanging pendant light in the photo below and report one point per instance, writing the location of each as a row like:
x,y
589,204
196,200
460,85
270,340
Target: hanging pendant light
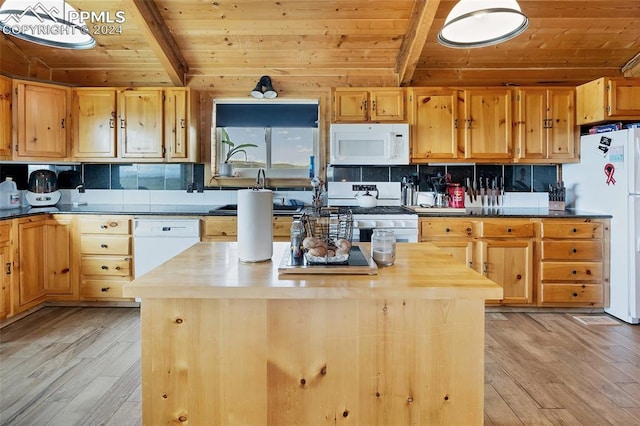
x,y
480,23
52,23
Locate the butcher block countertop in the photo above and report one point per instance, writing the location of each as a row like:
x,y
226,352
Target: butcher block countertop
x,y
212,270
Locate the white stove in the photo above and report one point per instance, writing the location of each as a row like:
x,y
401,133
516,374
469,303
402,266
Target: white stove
x,y
388,214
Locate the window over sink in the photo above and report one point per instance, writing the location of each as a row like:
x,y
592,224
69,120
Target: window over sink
x,y
280,137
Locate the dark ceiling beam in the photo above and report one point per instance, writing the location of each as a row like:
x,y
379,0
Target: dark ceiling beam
x,y
161,41
420,22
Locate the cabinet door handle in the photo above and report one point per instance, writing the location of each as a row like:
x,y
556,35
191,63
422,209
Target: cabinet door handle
x,y
485,268
469,123
122,123
455,123
104,246
8,270
373,105
65,270
182,123
519,276
550,125
111,123
363,105
62,123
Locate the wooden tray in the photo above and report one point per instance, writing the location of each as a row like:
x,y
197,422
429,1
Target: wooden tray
x,y
366,267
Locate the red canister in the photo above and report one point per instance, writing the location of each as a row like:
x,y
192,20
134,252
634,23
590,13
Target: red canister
x,y
456,195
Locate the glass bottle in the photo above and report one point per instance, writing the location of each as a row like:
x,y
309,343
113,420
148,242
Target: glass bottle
x,y
383,247
297,236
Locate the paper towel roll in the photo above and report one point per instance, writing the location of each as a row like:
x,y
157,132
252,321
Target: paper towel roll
x,y
255,225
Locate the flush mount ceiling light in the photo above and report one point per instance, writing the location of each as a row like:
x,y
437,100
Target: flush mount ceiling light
x,y
480,23
269,92
52,23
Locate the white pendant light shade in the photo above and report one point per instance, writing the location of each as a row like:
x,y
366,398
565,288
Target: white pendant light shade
x,y
52,23
479,23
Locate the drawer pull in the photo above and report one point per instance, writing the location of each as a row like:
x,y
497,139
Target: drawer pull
x,y
104,267
574,272
575,250
103,246
588,271
508,230
103,226
118,268
574,230
65,270
8,270
519,276
447,230
575,294
105,289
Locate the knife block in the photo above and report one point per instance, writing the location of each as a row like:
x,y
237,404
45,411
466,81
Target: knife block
x,y
556,205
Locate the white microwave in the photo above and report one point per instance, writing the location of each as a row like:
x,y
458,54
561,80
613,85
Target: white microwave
x,y
365,144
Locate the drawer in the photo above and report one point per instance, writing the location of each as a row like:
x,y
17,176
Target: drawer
x,y
588,294
445,228
226,229
101,289
505,229
282,226
105,226
105,244
571,250
572,230
119,266
571,271
5,231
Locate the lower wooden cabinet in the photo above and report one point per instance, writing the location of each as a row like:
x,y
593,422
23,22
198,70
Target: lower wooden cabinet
x,y
574,265
6,270
225,228
106,257
571,257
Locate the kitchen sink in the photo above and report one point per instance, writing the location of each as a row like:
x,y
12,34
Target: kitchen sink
x,y
277,209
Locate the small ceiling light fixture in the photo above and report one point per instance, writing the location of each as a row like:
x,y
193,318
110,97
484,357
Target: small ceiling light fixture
x,y
52,23
269,92
480,23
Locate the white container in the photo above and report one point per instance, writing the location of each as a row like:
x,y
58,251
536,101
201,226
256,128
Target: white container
x,y
9,195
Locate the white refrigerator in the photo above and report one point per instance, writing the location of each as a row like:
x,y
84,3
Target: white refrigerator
x,y
607,180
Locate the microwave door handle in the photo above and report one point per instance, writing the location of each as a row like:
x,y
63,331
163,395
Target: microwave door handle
x,y
390,147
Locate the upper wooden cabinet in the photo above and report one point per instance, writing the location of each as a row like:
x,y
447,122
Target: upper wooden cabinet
x,y
434,122
608,99
151,124
354,105
94,123
487,124
5,118
41,118
544,126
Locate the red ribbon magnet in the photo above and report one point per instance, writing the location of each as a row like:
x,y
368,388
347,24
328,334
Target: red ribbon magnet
x,y
609,170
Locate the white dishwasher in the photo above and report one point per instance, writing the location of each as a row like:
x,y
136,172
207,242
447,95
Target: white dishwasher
x,y
157,240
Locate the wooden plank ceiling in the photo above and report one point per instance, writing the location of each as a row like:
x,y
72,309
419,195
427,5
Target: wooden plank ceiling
x,y
310,45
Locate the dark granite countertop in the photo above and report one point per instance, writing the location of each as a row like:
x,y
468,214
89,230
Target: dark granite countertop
x,y
210,210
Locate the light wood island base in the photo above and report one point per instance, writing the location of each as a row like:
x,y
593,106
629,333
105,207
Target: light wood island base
x,y
227,343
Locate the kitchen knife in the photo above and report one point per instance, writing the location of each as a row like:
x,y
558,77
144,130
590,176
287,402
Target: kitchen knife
x,y
475,191
481,192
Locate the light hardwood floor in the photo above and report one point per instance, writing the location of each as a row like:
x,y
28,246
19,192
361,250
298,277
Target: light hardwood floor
x,y
81,366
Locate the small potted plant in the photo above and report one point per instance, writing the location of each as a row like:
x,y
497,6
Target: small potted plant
x,y
226,168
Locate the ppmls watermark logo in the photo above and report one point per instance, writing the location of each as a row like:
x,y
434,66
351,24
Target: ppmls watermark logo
x,y
56,23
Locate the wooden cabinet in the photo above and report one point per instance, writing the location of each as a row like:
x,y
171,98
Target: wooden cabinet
x,y
505,255
5,118
61,268
434,124
545,126
140,118
384,104
94,123
501,249
574,269
486,128
106,256
607,99
224,228
181,109
41,118
152,124
6,270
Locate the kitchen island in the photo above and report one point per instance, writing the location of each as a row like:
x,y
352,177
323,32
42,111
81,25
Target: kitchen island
x,y
233,343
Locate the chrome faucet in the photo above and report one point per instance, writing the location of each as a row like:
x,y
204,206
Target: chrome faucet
x,y
259,184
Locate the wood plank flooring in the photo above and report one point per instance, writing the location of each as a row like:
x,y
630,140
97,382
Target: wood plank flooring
x,y
81,366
